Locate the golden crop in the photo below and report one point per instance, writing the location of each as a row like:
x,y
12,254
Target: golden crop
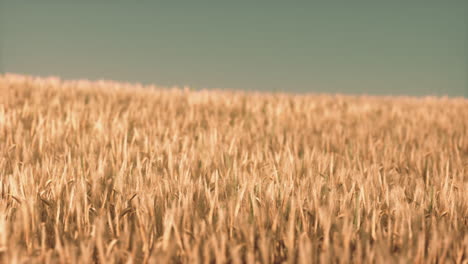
x,y
117,173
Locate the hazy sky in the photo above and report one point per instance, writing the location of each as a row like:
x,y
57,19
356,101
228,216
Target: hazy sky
x,y
374,47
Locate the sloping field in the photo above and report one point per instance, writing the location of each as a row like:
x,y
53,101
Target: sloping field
x,y
114,173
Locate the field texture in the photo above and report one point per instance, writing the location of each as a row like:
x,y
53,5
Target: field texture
x,y
116,173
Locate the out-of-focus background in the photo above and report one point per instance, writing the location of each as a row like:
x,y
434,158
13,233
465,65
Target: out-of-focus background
x,y
351,47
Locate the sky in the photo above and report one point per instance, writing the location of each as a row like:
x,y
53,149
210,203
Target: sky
x,y
396,47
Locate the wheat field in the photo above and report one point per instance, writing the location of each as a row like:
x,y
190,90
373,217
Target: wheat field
x,y
107,172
